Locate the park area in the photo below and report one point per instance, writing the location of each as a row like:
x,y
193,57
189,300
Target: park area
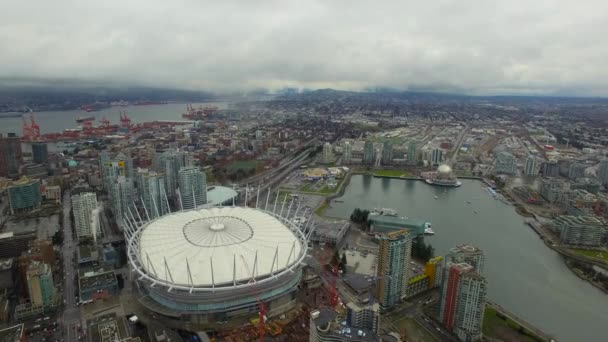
x,y
601,255
391,173
498,326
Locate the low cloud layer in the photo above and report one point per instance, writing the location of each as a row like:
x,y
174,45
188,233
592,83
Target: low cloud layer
x,y
471,46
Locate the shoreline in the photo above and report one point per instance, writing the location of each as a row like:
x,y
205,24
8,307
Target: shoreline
x,y
520,210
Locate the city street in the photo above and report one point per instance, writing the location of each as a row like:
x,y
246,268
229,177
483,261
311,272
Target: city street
x,y
71,315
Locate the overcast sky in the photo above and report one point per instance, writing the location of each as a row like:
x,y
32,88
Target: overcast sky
x,y
474,46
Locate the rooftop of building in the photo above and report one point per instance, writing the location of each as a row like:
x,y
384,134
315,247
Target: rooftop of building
x,y
226,244
86,252
395,221
325,320
95,279
23,181
465,248
358,282
12,334
361,263
8,235
582,219
108,328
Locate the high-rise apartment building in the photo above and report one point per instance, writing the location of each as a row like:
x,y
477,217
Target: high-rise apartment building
x,y
602,172
582,230
84,208
11,157
531,169
506,163
328,155
122,195
576,171
169,163
467,254
348,153
153,193
436,156
387,153
369,153
40,284
114,167
412,151
40,153
463,301
192,187
550,168
394,257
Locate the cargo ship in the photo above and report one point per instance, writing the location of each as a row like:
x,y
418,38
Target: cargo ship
x,y
82,119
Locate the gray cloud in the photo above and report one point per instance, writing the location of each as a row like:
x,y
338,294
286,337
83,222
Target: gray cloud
x,y
479,46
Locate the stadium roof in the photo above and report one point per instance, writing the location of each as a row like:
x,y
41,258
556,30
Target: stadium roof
x,y
218,245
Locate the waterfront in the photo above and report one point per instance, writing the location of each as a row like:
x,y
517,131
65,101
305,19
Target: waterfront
x,y
524,275
57,121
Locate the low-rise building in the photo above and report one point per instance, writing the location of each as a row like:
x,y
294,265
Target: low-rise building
x,y
93,285
325,326
52,193
388,223
583,230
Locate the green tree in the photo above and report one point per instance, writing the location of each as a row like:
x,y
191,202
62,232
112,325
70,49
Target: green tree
x,y
335,260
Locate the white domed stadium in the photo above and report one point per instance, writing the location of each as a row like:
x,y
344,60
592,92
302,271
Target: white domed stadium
x,y
216,263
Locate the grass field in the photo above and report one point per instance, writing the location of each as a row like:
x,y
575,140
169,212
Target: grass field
x,y
603,255
391,173
504,329
321,209
243,165
412,330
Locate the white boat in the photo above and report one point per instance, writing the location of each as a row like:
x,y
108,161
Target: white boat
x,y
436,197
427,229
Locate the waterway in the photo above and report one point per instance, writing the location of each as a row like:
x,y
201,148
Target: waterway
x,y
57,121
524,276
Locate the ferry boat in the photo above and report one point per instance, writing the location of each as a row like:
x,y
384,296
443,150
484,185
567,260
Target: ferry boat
x,y
82,119
492,192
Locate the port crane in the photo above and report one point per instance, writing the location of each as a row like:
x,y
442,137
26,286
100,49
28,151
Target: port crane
x,y
125,121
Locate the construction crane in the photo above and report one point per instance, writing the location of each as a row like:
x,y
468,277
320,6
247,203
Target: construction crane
x,y
105,122
34,126
27,131
329,274
261,305
125,121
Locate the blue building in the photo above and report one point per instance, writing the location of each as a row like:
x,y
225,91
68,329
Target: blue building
x,y
386,224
